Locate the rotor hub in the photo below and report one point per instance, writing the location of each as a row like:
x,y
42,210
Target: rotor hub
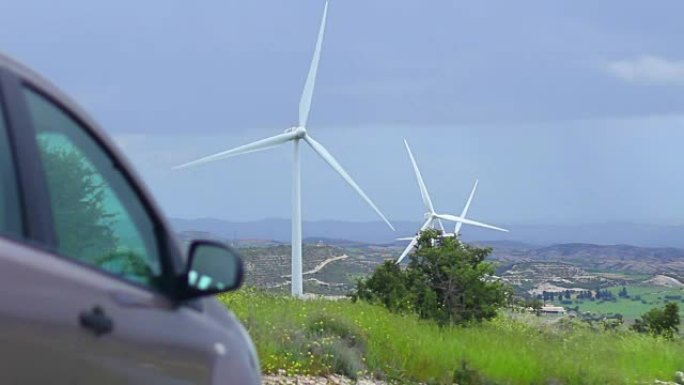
x,y
300,132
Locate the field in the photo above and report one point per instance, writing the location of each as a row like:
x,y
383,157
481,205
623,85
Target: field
x,y
641,299
323,337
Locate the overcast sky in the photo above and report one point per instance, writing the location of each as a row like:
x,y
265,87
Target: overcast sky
x,y
568,112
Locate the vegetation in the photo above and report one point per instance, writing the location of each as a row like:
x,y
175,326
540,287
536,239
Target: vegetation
x,y
440,321
322,337
631,301
659,322
446,281
86,221
78,201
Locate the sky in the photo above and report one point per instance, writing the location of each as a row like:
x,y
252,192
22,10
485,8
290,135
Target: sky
x,y
568,112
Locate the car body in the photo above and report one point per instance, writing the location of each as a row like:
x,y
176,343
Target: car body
x,y
94,286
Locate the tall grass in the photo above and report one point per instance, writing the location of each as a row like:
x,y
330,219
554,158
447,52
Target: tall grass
x,y
323,337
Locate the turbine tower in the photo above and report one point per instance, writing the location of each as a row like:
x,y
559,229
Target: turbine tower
x,y
431,216
296,135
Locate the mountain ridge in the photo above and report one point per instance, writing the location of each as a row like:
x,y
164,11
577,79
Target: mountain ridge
x,y
376,232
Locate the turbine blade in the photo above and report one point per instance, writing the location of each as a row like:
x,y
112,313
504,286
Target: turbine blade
x,y
259,145
454,218
307,93
408,249
405,239
323,153
426,224
414,241
423,190
464,213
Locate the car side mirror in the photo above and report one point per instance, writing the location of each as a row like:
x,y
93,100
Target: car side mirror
x,y
212,268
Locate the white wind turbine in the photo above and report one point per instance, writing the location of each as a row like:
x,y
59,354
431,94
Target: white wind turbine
x,y
431,216
295,135
457,229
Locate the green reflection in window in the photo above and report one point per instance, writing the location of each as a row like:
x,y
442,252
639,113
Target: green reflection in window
x,y
98,217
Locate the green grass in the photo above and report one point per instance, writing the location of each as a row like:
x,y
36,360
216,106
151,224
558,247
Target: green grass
x,y
323,337
628,307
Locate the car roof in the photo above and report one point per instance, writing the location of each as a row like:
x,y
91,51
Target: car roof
x,y
44,85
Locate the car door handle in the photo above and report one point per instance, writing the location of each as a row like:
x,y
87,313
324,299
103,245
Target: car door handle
x,y
97,321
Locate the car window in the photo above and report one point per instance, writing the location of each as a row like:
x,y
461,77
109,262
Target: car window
x,y
99,219
10,219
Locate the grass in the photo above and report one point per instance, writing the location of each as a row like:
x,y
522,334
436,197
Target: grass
x,y
630,308
323,337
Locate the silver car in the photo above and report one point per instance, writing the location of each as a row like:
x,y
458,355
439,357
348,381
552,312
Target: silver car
x,y
94,286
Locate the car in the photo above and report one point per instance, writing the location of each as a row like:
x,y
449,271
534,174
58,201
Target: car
x,y
95,287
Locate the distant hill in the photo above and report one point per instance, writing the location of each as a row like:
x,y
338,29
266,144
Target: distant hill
x,y
566,265
529,267
623,258
378,233
335,242
265,245
595,253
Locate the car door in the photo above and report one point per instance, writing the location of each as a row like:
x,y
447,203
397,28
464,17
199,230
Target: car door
x,y
38,343
105,278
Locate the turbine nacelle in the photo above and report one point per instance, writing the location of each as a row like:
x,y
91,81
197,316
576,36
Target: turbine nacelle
x,y
298,131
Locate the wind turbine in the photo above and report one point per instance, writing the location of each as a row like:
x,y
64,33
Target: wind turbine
x,y
457,229
295,135
431,216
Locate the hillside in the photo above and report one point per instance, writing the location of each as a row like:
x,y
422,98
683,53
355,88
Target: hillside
x,y
377,232
606,258
536,277
571,265
331,267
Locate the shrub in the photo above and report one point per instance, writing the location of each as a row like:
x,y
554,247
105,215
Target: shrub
x,y
466,375
446,280
340,344
659,322
387,286
328,326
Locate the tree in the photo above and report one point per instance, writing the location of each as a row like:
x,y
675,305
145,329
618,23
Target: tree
x,y
77,193
386,286
623,293
659,322
535,305
84,222
446,280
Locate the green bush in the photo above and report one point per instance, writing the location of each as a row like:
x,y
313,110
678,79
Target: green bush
x,y
340,357
660,322
325,325
446,280
341,344
465,375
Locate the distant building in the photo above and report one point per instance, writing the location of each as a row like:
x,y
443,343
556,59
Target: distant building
x,y
552,310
